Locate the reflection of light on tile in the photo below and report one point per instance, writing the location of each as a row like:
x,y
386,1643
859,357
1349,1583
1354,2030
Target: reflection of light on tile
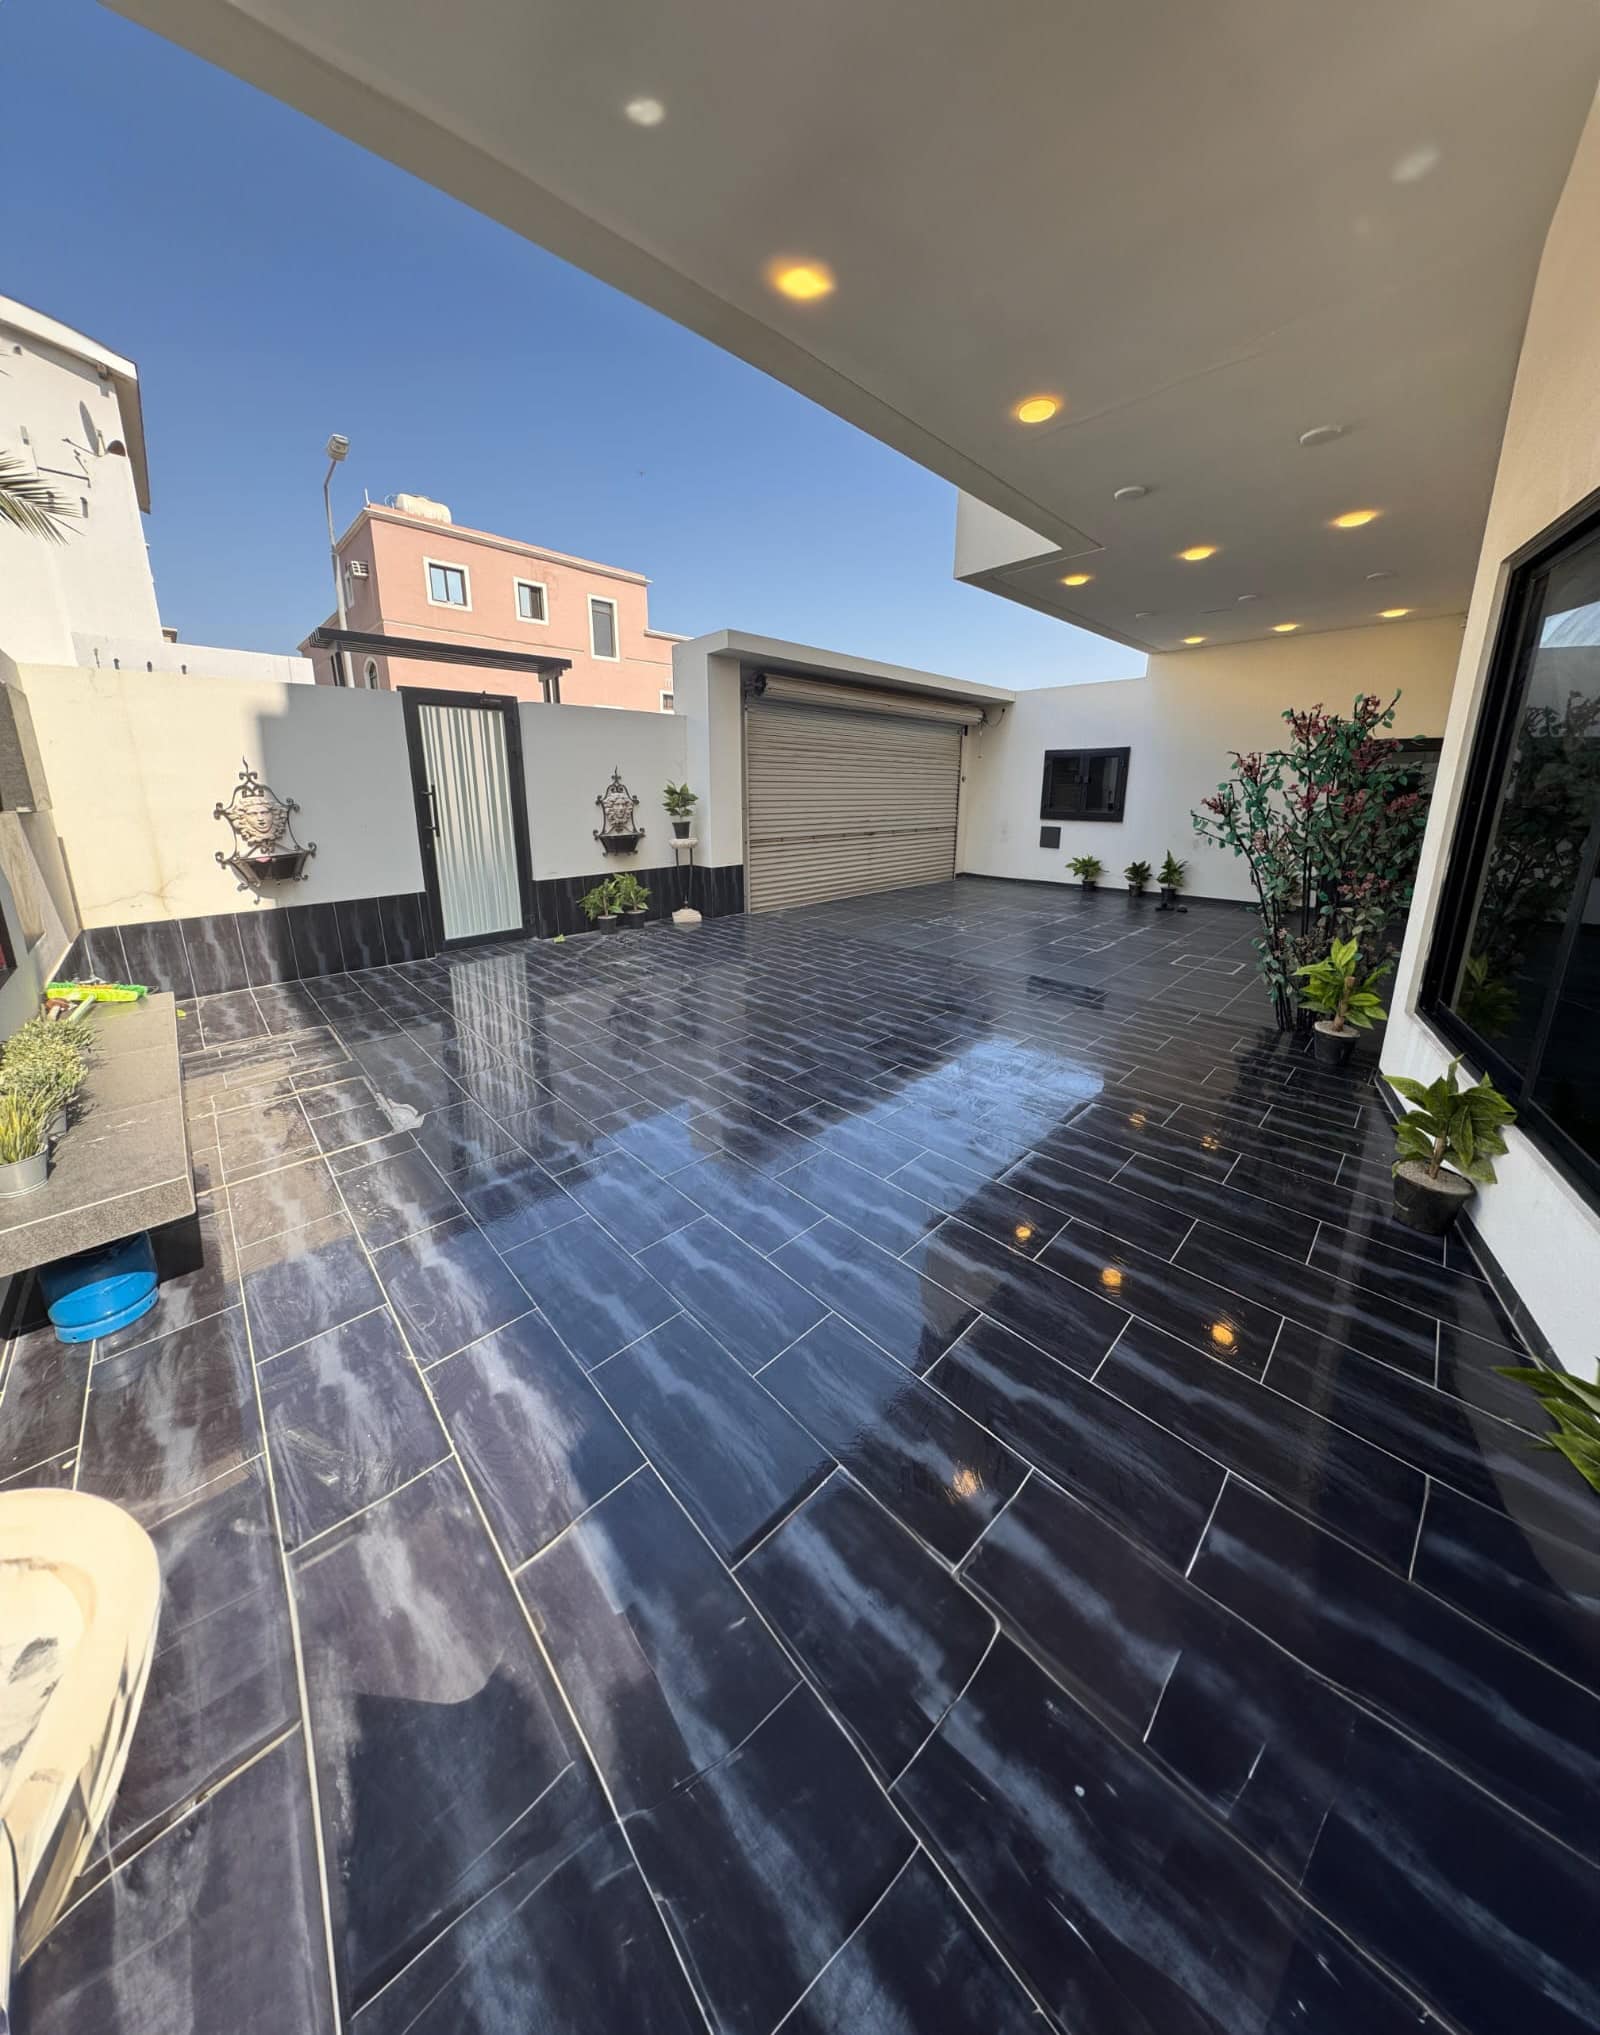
x,y
1210,1142
1138,1119
1111,1275
1023,1231
966,1483
1222,1335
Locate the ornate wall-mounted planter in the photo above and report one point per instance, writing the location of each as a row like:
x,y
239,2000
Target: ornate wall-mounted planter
x,y
264,847
618,832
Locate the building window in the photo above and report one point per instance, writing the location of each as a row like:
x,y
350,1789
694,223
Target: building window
x,y
603,628
531,606
666,702
1513,976
370,670
1084,784
550,684
447,585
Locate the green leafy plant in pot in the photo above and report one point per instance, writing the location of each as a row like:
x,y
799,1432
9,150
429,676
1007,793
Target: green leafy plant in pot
x,y
1137,876
1170,879
1574,1405
1444,1146
1348,1001
629,896
680,803
1087,867
599,909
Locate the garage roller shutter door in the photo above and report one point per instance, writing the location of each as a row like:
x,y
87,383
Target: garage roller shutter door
x,y
840,802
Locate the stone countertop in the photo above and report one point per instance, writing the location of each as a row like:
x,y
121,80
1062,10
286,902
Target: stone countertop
x,y
123,1165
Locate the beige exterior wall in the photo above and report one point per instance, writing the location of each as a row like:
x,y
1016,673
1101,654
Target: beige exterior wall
x,y
1545,1236
393,599
136,761
1181,723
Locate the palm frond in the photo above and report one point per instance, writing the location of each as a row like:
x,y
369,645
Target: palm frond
x,y
28,502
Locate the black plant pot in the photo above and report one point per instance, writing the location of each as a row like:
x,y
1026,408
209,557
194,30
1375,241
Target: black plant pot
x,y
1089,883
1136,890
1429,1205
680,830
1330,1048
636,914
607,922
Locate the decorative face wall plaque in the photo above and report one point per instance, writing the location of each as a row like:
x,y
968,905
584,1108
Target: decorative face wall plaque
x,y
618,832
264,847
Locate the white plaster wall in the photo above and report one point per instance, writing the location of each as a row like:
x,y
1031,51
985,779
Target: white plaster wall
x,y
1545,1236
195,660
57,411
136,761
705,686
568,755
1182,722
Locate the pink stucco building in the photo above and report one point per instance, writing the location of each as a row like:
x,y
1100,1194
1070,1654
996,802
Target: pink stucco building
x,y
410,571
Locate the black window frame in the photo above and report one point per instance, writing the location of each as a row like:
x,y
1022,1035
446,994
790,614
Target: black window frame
x,y
1047,811
1499,722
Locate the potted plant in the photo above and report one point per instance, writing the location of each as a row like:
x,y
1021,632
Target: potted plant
x,y
1088,867
1349,1004
629,896
1171,881
24,1144
1445,1145
44,1059
598,908
1574,1405
680,803
1138,876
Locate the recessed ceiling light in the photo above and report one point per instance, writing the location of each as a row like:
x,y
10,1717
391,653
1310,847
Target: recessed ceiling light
x,y
1247,597
1284,628
1036,409
1354,519
1133,494
645,112
1392,614
1320,434
801,280
1415,164
1076,578
1196,552
1193,640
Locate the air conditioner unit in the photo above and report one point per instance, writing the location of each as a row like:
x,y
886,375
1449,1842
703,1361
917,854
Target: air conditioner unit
x,y
358,568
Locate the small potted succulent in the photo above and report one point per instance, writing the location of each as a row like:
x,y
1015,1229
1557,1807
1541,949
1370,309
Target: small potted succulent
x,y
24,1143
1138,877
680,803
1088,868
629,896
599,909
1444,1146
1348,1003
1170,879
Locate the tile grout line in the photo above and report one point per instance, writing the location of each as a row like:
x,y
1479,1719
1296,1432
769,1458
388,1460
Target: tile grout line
x,y
1422,1515
917,1850
1210,1516
793,1512
578,1518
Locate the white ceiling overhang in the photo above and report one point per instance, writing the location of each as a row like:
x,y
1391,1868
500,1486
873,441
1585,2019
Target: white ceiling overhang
x,y
1208,229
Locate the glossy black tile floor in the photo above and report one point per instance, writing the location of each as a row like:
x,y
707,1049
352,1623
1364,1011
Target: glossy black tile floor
x,y
874,1469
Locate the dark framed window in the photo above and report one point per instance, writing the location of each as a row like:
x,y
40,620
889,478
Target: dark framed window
x,y
1513,974
1084,784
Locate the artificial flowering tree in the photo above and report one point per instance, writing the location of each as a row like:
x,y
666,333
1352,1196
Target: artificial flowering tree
x,y
1331,832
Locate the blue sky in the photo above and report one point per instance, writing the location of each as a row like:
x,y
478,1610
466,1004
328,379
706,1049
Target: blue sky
x,y
275,283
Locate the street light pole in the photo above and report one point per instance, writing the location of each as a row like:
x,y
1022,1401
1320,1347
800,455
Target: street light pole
x,y
338,445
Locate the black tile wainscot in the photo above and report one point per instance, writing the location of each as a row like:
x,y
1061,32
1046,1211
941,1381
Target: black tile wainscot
x,y
881,1469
